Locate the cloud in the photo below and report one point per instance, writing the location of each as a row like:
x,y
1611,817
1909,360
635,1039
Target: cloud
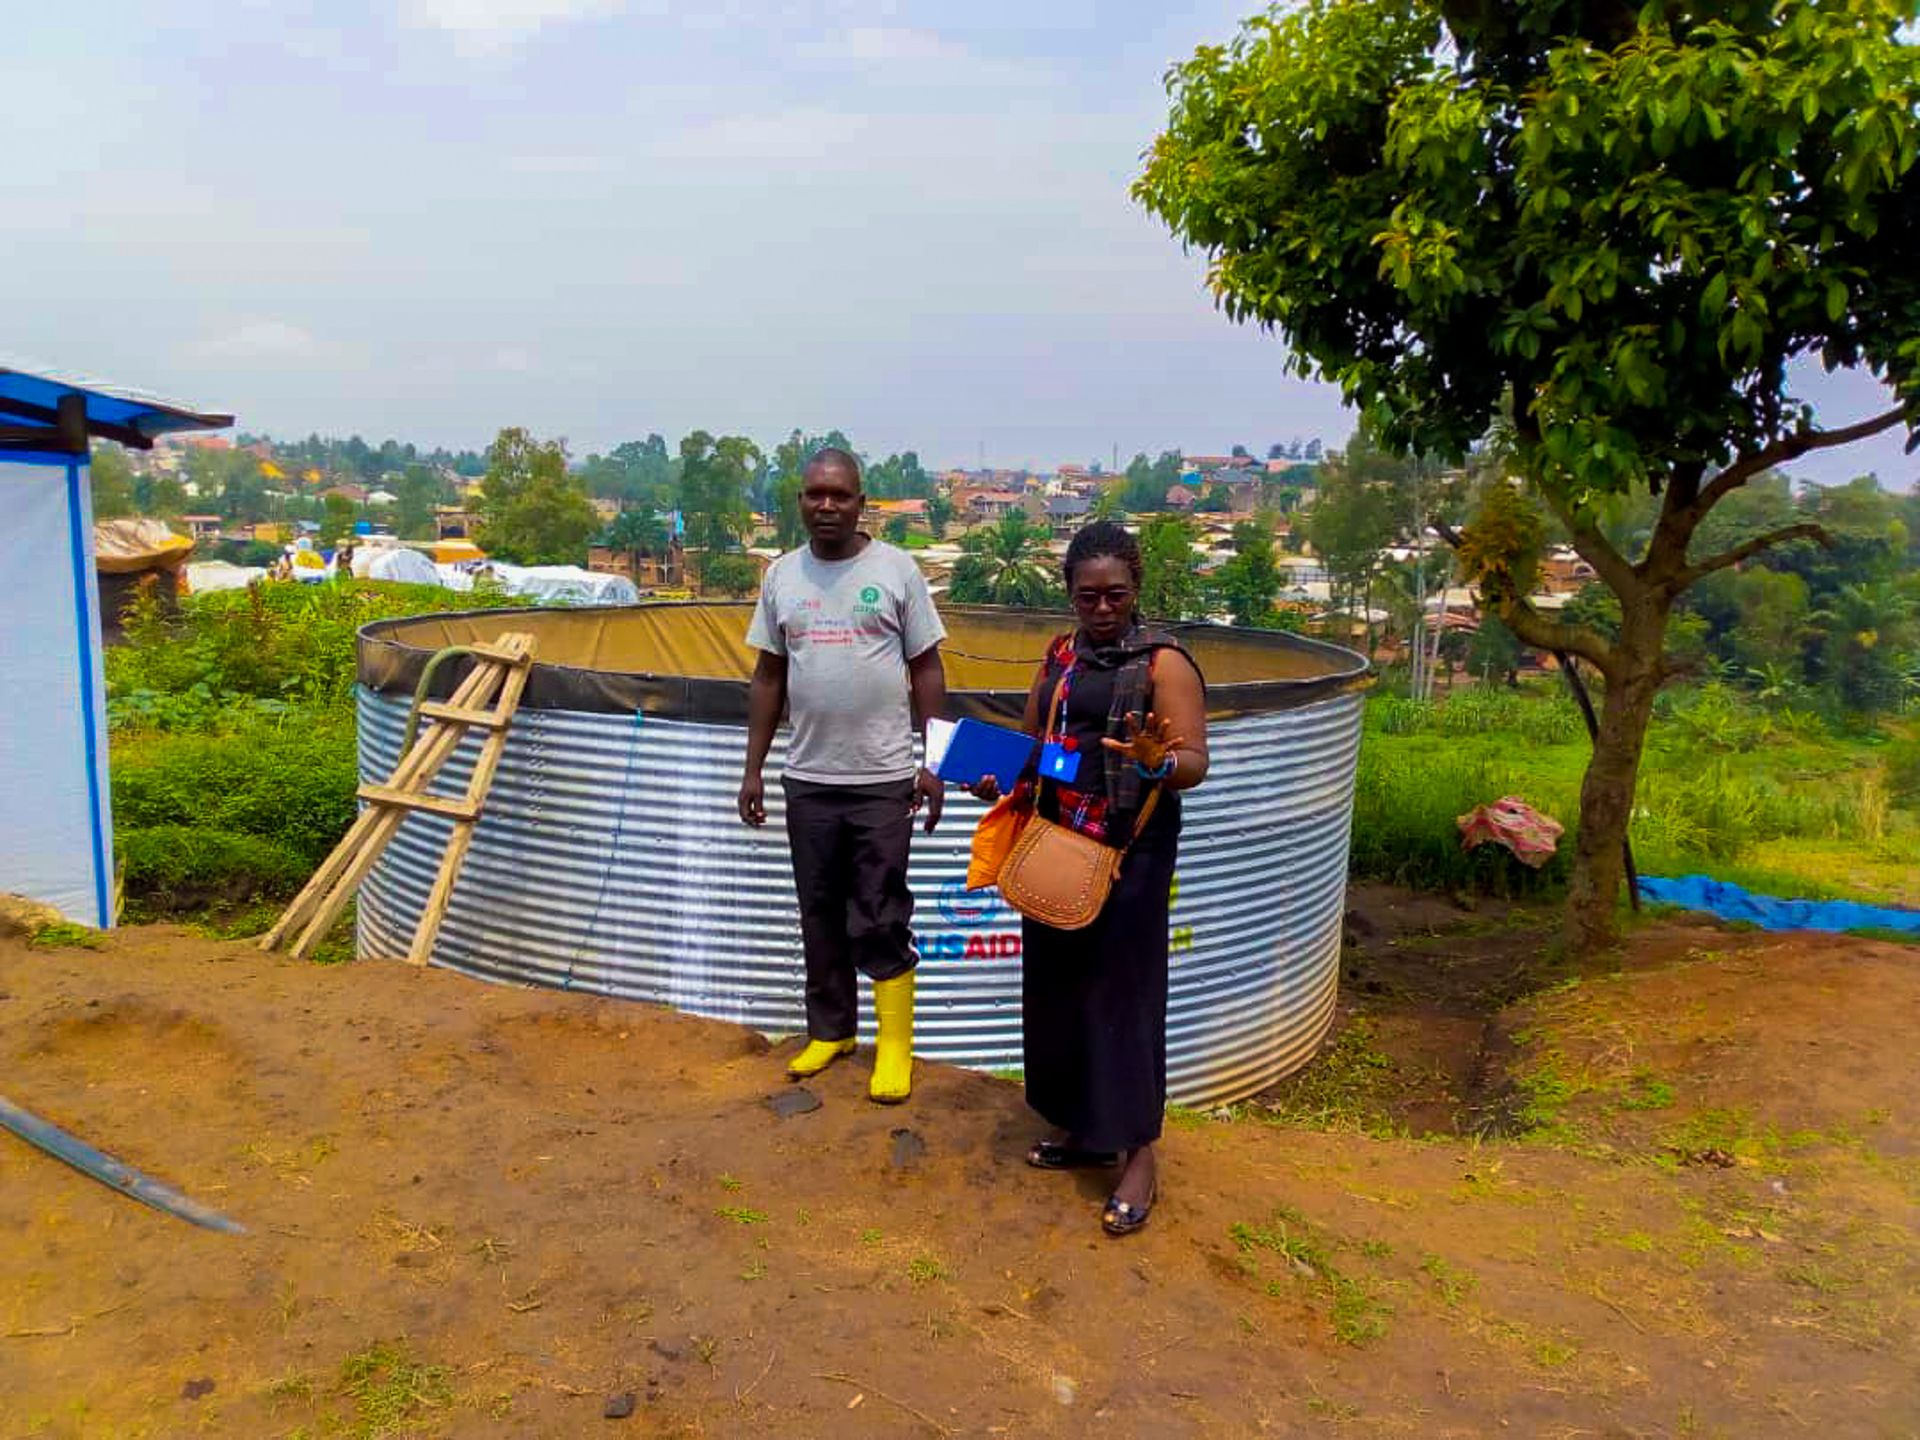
x,y
559,164
514,360
879,44
485,27
798,134
259,339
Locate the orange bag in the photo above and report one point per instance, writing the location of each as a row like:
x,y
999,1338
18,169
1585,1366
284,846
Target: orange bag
x,y
994,838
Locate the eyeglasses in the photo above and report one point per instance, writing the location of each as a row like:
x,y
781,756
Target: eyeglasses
x,y
1115,596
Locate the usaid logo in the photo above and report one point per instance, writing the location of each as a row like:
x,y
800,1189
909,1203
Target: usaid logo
x,y
961,906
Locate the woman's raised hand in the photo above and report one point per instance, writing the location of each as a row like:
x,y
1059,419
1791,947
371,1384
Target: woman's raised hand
x,y
1148,745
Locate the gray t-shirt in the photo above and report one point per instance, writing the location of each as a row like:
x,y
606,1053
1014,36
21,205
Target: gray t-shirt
x,y
847,629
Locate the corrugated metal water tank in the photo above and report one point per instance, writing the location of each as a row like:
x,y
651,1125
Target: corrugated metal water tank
x,y
610,858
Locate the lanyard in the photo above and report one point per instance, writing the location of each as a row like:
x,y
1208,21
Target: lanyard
x,y
1066,693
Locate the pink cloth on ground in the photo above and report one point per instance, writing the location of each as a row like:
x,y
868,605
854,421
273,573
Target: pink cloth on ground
x,y
1511,822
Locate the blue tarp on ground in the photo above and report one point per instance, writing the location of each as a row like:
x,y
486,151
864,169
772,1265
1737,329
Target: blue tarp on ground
x,y
1730,902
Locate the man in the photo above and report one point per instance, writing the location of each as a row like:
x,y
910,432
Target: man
x,y
849,643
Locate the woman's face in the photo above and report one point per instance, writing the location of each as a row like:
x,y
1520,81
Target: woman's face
x,y
1103,597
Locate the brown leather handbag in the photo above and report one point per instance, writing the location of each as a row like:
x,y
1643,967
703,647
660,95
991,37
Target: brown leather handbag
x,y
1059,876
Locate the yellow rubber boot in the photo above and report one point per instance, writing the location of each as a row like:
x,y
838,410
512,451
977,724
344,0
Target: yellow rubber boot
x,y
817,1056
893,1052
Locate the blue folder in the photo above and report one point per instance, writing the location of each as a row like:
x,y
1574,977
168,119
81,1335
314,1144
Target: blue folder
x,y
978,749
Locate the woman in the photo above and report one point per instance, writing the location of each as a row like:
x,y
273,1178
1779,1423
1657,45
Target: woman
x,y
1095,1000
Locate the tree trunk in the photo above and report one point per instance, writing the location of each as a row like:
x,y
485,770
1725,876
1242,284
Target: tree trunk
x,y
1607,791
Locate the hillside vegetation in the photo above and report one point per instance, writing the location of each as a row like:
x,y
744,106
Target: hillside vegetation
x,y
234,768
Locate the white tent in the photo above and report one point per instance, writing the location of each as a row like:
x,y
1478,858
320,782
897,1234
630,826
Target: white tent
x,y
206,575
56,820
542,584
571,585
395,562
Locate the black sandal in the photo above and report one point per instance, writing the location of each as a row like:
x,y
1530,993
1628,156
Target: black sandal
x,y
1120,1218
1062,1155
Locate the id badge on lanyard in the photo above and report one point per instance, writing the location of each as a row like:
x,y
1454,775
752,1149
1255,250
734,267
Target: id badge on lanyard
x,y
1060,756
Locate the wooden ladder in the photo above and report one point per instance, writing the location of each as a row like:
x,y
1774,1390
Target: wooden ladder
x,y
497,680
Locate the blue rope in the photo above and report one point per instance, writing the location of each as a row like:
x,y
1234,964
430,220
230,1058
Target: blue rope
x,y
613,850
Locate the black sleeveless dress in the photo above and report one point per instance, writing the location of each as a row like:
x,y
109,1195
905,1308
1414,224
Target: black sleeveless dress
x,y
1094,1001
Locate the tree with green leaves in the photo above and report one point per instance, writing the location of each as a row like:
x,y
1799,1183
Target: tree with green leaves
x,y
715,477
898,477
1006,563
417,493
641,533
1619,222
728,573
533,510
939,515
336,520
1148,481
166,497
1247,584
1356,515
1494,653
112,481
635,472
1866,629
1169,569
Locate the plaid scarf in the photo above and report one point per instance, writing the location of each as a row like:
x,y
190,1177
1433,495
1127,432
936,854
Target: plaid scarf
x,y
1131,656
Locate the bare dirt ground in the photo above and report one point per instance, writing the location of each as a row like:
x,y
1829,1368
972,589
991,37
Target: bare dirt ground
x,y
487,1212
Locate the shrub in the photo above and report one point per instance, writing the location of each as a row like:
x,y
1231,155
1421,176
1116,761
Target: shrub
x,y
1903,773
291,781
171,869
232,649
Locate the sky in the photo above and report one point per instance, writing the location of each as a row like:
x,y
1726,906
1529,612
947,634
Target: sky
x,y
599,218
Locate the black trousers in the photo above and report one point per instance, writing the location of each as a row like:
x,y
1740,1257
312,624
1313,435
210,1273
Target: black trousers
x,y
850,867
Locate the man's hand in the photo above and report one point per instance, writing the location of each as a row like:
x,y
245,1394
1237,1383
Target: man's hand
x,y
928,791
753,800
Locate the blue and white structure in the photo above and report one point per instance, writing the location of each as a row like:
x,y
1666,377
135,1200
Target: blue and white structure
x,y
56,821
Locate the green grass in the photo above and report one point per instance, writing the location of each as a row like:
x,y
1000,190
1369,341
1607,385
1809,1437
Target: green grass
x,y
1451,1283
1357,1313
925,1269
1776,803
1359,1316
1347,1087
391,1392
65,935
740,1215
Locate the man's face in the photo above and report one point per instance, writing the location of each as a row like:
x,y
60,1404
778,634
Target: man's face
x,y
830,502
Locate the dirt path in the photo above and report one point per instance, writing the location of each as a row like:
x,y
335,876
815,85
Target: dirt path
x,y
477,1211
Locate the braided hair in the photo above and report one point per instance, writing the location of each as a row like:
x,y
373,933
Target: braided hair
x,y
1101,539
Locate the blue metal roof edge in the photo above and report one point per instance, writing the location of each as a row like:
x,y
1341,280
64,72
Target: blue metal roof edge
x,y
141,411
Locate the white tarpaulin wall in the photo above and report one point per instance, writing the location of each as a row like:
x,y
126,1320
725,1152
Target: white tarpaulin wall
x,y
55,823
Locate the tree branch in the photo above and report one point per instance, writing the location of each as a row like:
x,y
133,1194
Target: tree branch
x,y
1803,442
1593,547
1804,531
1536,630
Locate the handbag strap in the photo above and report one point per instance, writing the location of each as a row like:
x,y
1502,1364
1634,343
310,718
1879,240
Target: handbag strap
x,y
1054,719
